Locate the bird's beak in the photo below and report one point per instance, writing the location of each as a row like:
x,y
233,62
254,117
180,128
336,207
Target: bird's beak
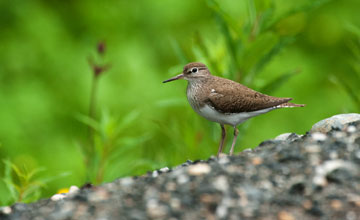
x,y
180,76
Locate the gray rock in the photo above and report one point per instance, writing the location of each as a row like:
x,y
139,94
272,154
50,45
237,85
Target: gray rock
x,y
287,137
317,176
335,122
282,137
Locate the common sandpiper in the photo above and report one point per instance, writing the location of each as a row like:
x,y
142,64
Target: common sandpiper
x,y
225,101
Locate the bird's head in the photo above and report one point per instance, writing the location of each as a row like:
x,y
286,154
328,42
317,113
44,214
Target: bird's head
x,y
192,71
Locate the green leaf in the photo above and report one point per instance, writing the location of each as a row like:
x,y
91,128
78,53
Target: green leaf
x,y
230,45
231,23
226,23
86,120
258,54
311,5
46,180
265,19
350,91
278,82
32,173
265,59
12,189
127,120
199,41
252,12
179,52
353,29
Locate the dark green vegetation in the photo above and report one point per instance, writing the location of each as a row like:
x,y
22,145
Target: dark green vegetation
x,y
308,50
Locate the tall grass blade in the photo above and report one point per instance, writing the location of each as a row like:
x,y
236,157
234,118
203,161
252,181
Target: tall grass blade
x,y
230,45
86,120
353,29
311,5
251,11
179,52
350,91
199,41
215,7
264,60
278,82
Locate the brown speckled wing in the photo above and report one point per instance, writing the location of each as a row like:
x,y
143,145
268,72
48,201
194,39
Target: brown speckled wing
x,y
231,97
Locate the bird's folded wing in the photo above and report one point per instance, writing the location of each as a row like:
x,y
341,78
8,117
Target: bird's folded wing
x,y
241,99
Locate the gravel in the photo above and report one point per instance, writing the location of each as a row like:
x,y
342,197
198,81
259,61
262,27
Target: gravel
x,y
311,176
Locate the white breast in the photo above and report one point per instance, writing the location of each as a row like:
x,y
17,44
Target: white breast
x,y
233,119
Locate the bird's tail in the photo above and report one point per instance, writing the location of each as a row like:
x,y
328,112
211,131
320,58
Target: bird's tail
x,y
289,105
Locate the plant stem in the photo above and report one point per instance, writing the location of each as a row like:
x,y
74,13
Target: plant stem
x,y
91,132
100,173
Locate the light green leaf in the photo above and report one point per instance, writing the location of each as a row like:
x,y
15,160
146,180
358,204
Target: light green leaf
x,y
88,121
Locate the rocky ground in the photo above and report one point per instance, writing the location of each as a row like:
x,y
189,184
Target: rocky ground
x,y
314,176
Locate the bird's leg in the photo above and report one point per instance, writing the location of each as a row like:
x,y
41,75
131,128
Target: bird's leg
x,y
223,134
236,132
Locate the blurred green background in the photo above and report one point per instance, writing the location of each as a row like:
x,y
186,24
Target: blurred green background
x,y
307,50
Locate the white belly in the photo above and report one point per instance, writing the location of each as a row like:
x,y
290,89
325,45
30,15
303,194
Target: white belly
x,y
231,118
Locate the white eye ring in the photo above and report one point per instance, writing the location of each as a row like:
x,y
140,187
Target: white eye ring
x,y
194,70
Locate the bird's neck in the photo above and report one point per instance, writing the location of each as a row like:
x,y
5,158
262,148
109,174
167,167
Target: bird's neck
x,y
195,90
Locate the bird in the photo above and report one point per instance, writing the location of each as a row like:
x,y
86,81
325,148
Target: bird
x,y
225,101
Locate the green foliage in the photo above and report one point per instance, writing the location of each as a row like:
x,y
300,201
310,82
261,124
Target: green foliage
x,y
352,87
107,142
114,151
24,184
251,45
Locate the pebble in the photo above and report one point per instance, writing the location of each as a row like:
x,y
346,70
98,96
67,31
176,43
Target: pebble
x,y
6,210
165,169
199,169
283,137
351,129
257,161
208,198
307,204
336,204
357,154
182,178
221,211
284,215
73,189
175,203
155,174
127,181
221,183
312,148
351,216
355,199
171,186
224,160
327,167
339,134
318,136
155,210
333,155
99,195
58,197
248,150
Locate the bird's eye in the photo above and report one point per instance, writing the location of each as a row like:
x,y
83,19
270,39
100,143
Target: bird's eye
x,y
194,70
